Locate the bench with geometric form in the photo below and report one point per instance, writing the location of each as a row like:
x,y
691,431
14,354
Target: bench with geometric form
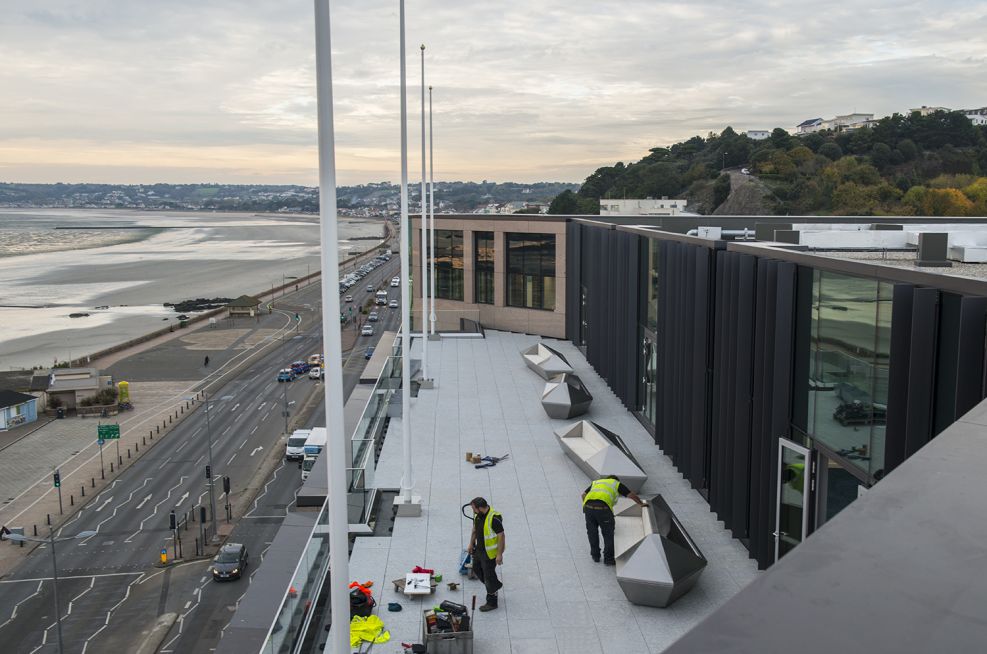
x,y
657,560
599,452
565,396
545,361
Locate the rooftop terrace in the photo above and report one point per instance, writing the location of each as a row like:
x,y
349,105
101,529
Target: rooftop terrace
x,y
555,599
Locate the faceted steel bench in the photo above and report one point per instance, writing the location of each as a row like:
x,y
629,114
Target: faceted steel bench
x,y
565,396
599,452
657,560
545,361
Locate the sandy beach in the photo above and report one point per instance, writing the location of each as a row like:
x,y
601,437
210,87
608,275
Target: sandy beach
x,y
159,257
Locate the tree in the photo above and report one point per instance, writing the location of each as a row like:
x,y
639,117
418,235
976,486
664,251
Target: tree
x,y
908,149
780,139
830,150
880,156
565,203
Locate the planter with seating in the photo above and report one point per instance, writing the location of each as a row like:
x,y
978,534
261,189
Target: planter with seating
x,y
545,361
598,452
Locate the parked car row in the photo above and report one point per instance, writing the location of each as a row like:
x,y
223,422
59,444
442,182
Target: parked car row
x,y
352,278
314,368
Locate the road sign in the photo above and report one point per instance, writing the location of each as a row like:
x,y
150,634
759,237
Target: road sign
x,y
108,432
100,442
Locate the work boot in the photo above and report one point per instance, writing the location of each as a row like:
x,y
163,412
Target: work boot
x,y
609,562
490,605
596,559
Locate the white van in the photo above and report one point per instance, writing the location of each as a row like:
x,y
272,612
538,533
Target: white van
x,y
395,281
381,298
314,445
295,448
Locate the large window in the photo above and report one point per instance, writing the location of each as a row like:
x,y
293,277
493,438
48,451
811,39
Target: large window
x,y
449,264
531,271
651,285
483,267
648,362
849,348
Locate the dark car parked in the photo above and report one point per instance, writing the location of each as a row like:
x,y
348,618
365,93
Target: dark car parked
x,y
230,562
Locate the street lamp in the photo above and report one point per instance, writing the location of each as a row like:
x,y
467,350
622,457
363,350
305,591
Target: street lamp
x,y
212,468
51,540
725,160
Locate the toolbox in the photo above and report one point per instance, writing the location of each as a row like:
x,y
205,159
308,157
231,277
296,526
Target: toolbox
x,y
447,642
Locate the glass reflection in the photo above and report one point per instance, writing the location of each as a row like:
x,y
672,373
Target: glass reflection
x,y
449,264
850,348
483,267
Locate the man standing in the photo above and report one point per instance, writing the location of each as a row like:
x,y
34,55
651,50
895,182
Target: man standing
x,y
598,501
486,546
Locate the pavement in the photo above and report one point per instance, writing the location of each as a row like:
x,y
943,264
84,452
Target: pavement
x,y
109,584
555,598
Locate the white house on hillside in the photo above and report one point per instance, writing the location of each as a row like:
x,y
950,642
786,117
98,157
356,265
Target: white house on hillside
x,y
809,126
758,134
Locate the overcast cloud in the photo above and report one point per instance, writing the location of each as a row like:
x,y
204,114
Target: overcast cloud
x,y
223,91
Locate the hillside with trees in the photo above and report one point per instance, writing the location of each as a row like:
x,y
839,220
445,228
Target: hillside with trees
x,y
934,165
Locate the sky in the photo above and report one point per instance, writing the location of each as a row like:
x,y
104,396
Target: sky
x,y
186,91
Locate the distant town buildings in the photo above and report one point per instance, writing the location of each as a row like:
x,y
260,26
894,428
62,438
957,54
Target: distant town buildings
x,y
645,207
758,134
844,123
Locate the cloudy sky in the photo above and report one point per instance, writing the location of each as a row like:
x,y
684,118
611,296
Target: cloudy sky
x,y
525,90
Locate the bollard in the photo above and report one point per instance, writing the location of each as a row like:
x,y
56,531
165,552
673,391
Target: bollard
x,y
48,518
35,530
83,487
71,500
92,482
183,409
143,440
111,466
137,447
157,430
128,452
197,546
176,415
169,420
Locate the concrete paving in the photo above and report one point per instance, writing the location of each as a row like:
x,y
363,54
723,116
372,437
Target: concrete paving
x,y
555,599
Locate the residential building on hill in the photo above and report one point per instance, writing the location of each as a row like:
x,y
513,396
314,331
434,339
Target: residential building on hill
x,y
646,207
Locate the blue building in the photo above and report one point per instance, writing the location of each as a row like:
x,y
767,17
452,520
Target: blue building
x,y
17,409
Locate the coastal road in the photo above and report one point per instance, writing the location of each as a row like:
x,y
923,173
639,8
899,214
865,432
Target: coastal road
x,y
109,588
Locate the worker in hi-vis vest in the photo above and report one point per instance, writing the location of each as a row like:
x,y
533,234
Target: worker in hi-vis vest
x,y
486,546
598,501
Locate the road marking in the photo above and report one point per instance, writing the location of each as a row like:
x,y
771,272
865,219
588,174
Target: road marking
x,y
187,604
140,528
254,429
109,613
182,499
231,458
103,505
179,448
235,407
261,406
256,450
227,430
203,580
197,430
60,577
13,615
144,501
166,462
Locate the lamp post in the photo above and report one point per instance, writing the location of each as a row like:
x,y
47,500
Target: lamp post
x,y
423,250
431,210
212,468
50,541
725,160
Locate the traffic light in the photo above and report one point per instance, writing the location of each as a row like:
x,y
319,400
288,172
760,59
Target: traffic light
x,y
172,521
226,485
58,479
208,472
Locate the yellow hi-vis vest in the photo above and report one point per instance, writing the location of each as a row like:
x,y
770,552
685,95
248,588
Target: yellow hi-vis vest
x,y
603,489
489,537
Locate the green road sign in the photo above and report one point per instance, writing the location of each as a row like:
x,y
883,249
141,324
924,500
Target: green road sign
x,y
108,432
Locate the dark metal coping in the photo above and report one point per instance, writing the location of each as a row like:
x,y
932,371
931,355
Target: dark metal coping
x,y
966,285
258,608
899,570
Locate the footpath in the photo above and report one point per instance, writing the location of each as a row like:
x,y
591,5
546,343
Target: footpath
x,y
161,400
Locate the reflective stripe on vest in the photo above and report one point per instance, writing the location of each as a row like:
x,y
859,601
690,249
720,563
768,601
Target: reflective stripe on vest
x,y
605,490
489,537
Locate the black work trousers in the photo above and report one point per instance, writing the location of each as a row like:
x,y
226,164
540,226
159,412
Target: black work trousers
x,y
599,518
485,570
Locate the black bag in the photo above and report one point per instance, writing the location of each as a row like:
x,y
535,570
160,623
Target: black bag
x,y
361,604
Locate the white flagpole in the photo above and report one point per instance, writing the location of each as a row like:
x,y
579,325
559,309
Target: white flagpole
x,y
431,206
407,482
335,453
423,250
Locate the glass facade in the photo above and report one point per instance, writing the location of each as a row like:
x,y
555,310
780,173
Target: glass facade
x,y
652,270
850,343
483,267
531,271
449,264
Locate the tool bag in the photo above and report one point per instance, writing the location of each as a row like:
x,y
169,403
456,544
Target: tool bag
x,y
361,604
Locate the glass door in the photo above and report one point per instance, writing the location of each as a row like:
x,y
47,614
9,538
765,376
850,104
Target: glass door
x,y
792,516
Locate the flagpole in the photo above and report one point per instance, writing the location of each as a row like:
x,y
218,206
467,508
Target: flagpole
x,y
431,208
335,454
423,250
